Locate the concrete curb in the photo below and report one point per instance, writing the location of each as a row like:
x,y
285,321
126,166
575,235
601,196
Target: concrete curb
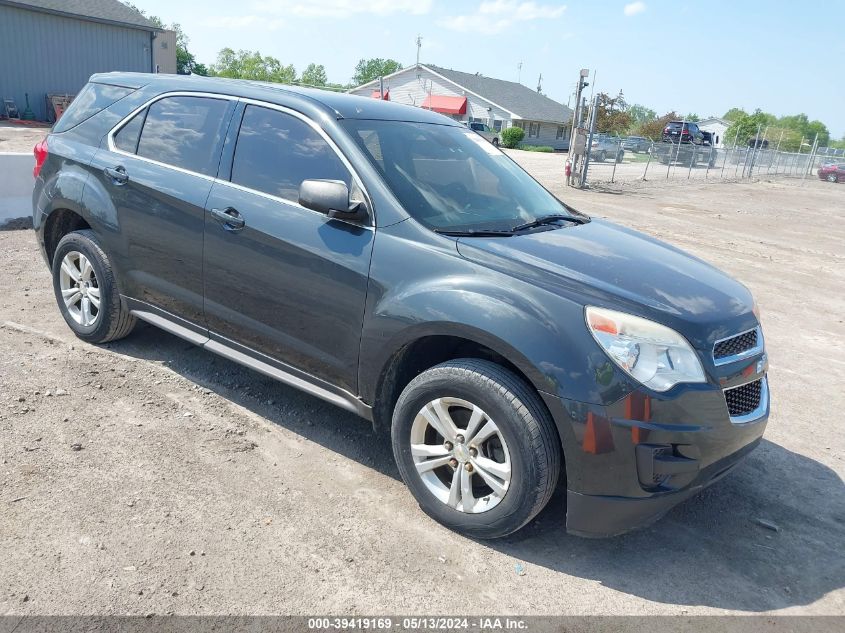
x,y
16,190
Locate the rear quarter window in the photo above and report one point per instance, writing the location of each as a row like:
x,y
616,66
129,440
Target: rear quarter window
x,y
93,98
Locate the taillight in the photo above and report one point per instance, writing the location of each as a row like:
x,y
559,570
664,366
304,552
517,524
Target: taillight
x,y
40,151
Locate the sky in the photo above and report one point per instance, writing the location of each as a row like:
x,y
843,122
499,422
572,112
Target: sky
x,y
784,57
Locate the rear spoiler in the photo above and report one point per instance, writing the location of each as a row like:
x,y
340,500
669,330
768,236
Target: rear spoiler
x,y
123,80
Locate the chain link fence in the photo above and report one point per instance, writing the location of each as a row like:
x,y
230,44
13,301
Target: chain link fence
x,y
613,160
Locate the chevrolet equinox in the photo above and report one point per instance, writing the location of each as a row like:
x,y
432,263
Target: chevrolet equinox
x,y
389,260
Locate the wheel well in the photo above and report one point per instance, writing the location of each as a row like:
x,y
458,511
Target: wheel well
x,y
423,354
59,223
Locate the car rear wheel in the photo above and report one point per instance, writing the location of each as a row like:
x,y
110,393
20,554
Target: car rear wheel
x,y
476,447
602,156
496,142
86,292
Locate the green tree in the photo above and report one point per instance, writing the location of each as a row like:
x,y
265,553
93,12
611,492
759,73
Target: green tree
x,y
733,114
654,129
612,114
314,75
692,117
369,69
244,64
744,127
640,114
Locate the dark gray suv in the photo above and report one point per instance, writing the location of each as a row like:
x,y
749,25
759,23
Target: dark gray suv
x,y
394,263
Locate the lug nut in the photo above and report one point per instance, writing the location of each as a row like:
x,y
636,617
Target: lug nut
x,y
448,446
453,463
468,466
459,439
473,451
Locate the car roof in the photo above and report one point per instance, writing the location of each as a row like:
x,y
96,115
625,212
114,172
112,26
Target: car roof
x,y
336,104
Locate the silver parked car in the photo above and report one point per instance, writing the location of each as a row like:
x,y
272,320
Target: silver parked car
x,y
486,131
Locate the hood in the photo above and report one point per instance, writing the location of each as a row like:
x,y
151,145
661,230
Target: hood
x,y
612,266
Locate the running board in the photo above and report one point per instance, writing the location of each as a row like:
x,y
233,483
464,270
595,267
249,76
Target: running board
x,y
340,398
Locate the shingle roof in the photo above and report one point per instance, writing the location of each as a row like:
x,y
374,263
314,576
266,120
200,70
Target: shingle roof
x,y
521,100
110,11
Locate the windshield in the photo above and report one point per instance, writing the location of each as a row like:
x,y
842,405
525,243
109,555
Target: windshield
x,y
450,178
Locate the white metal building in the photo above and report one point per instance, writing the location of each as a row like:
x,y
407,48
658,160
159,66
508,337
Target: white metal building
x,y
474,97
717,128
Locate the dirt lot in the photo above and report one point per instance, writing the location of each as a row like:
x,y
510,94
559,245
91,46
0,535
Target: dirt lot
x,y
148,476
20,138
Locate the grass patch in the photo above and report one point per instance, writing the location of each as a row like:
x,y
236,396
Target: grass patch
x,y
537,148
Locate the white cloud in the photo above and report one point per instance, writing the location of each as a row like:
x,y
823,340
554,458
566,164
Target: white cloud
x,y
341,8
633,8
494,16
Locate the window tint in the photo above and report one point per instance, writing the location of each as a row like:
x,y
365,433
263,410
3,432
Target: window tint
x,y
185,132
92,99
126,138
277,151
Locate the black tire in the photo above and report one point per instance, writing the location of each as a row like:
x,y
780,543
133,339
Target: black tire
x,y
620,156
602,156
113,320
495,142
832,178
524,424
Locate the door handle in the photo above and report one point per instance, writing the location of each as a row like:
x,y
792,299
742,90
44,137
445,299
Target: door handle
x,y
229,218
117,174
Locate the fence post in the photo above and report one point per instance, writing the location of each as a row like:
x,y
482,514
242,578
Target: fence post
x,y
753,152
692,160
724,164
648,162
810,159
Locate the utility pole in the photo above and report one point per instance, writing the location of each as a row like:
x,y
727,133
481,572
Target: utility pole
x,y
540,84
519,73
419,46
576,122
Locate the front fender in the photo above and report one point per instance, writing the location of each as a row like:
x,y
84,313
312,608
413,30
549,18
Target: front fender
x,y
421,287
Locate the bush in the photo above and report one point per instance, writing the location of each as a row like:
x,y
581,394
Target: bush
x,y
512,137
537,148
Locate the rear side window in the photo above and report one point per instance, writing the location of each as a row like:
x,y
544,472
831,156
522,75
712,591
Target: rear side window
x,y
185,132
276,152
126,138
92,99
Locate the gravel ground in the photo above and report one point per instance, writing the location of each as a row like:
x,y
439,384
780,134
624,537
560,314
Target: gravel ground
x,y
149,476
20,138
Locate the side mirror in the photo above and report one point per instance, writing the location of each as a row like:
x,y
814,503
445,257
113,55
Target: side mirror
x,y
332,198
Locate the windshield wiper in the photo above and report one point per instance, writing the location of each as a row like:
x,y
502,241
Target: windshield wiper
x,y
474,233
548,219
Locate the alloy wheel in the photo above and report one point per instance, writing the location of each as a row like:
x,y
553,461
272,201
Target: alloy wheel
x,y
460,455
80,289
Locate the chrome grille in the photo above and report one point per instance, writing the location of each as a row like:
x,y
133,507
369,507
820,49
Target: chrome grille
x,y
735,345
744,399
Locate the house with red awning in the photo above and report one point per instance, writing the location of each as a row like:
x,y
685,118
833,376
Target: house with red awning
x,y
469,97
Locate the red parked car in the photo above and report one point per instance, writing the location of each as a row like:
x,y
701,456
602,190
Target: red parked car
x,y
832,172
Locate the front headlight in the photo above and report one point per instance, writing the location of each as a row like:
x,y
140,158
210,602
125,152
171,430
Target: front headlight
x,y
653,354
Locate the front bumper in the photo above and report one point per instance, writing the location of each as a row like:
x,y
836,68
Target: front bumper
x,y
627,464
598,516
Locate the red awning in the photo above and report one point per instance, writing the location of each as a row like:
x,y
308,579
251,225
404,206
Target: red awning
x,y
377,95
446,105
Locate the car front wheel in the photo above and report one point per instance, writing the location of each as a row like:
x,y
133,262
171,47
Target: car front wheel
x,y
86,291
476,447
496,142
832,178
